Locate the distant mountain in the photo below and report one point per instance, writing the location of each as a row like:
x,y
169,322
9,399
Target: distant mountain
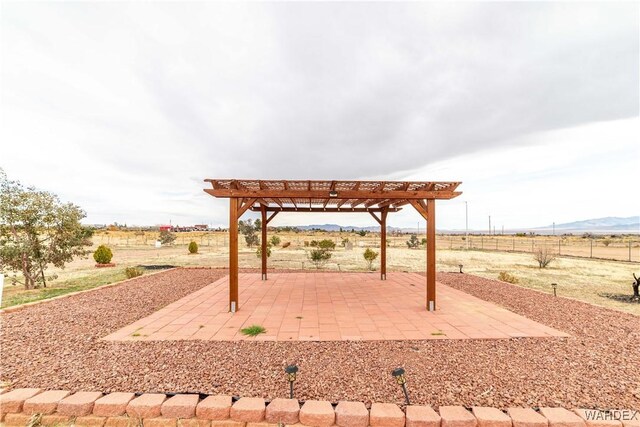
x,y
336,227
612,223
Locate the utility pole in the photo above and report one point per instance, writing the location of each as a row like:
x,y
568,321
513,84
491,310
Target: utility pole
x,y
466,223
554,228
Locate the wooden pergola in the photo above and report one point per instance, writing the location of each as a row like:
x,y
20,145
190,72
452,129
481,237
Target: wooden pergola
x,y
378,198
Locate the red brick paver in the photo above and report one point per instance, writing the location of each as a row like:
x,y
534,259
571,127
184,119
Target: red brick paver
x,y
159,422
12,401
491,417
214,408
352,414
90,421
317,413
560,417
45,402
526,417
113,404
146,406
422,416
283,411
294,303
456,416
180,406
248,409
386,415
79,404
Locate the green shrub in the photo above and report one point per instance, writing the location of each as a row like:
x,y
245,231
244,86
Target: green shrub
x,y
313,243
259,251
370,256
166,237
413,242
327,244
193,247
319,257
275,240
103,255
132,272
506,277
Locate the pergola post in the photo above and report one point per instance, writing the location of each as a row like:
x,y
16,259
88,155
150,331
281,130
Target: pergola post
x,y
431,254
263,242
233,254
383,244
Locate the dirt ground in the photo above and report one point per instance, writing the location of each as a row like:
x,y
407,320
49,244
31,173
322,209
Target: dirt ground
x,y
58,345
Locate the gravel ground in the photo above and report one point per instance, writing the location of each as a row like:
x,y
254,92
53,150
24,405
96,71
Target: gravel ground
x,y
57,345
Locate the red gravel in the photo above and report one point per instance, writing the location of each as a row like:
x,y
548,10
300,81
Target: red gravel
x,y
57,345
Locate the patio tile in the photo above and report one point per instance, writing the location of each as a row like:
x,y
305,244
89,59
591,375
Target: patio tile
x,y
319,306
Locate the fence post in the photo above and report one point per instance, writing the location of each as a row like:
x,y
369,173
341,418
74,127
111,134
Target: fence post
x,y
591,248
532,241
496,244
514,244
629,250
559,241
481,242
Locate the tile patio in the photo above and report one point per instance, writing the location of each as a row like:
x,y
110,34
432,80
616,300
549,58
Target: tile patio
x,y
331,307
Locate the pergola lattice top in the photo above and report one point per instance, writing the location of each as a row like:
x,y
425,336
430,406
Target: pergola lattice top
x,y
327,196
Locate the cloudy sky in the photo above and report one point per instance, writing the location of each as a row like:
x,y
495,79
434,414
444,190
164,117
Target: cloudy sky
x,y
124,108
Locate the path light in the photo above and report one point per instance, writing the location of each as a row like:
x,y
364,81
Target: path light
x,y
460,265
398,374
291,371
554,286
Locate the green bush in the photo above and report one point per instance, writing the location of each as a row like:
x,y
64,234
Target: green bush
x,y
413,242
327,244
506,277
319,257
370,256
259,251
193,247
275,240
103,255
166,237
132,272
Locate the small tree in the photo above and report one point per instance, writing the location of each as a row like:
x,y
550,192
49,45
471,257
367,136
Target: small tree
x,y
38,230
249,228
259,251
193,247
275,240
167,237
103,255
370,256
319,257
543,257
413,242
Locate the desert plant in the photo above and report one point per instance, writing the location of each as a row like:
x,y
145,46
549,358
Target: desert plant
x,y
103,255
286,244
413,242
132,272
249,229
166,237
275,240
313,243
193,247
543,257
370,256
319,257
423,241
253,330
362,233
327,244
259,250
506,277
344,242
606,242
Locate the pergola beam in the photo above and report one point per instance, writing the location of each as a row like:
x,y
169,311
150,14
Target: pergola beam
x,y
323,194
327,210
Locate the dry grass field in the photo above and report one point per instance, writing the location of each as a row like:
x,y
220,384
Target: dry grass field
x,y
580,278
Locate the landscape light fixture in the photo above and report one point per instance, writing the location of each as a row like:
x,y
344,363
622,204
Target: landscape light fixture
x,y
460,265
333,193
398,374
291,371
554,286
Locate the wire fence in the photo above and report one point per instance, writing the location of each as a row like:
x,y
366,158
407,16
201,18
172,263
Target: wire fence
x,y
620,249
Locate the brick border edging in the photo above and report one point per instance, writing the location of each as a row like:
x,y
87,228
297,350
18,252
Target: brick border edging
x,y
19,307
20,407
